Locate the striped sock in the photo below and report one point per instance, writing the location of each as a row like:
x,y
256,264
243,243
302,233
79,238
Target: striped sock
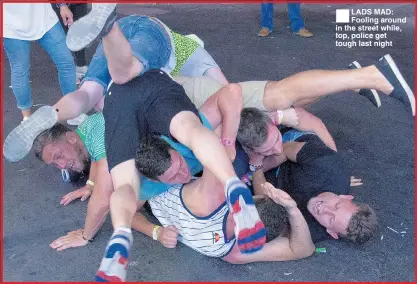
x,y
249,229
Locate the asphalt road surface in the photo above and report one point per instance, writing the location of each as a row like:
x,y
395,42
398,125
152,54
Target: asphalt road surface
x,y
377,144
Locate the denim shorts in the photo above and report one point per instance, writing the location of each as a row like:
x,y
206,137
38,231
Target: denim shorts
x,y
150,44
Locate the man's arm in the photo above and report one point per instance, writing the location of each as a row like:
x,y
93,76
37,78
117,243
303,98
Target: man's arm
x,y
224,108
310,122
298,245
167,236
97,210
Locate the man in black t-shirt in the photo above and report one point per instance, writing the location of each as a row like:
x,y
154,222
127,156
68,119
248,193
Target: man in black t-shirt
x,y
155,104
313,174
318,180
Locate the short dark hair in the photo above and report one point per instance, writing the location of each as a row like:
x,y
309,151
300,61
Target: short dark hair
x,y
49,136
253,128
152,157
362,225
274,217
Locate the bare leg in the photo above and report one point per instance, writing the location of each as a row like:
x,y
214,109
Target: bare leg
x,y
216,74
317,83
80,101
249,230
123,66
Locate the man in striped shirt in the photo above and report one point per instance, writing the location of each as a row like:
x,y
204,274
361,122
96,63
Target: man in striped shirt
x,y
196,214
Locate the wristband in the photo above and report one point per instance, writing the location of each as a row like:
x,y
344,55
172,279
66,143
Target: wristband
x,y
154,232
87,240
226,141
254,168
90,182
279,117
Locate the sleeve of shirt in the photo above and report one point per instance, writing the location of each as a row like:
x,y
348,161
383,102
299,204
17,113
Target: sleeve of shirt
x,y
96,139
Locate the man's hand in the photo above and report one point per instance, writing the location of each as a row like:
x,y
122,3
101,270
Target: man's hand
x,y
71,240
279,196
66,15
82,193
167,236
355,181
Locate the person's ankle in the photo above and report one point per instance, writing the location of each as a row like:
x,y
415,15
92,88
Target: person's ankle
x,y
382,82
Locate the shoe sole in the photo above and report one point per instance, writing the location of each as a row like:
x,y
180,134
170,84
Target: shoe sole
x,y
402,81
76,42
373,91
19,142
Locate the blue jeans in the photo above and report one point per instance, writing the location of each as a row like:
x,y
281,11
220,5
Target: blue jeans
x,y
18,52
294,14
149,42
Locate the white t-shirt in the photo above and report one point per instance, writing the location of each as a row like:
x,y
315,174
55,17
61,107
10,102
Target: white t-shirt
x,y
27,21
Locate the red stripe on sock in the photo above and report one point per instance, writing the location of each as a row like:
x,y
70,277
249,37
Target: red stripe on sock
x,y
123,260
251,231
236,207
103,275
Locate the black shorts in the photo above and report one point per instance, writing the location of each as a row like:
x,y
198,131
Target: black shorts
x,y
145,105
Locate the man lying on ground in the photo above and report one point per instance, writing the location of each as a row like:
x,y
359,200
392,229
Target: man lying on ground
x,y
313,174
197,215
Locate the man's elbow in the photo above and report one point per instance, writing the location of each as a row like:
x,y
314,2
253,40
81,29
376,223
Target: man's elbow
x,y
305,252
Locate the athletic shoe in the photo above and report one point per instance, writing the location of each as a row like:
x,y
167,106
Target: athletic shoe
x,y
19,142
95,24
402,91
249,230
113,266
370,94
80,72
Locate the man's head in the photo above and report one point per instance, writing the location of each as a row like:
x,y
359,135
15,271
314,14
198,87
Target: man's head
x,y
342,217
157,160
258,133
63,148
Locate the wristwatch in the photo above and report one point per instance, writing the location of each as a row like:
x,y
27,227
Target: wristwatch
x,y
254,168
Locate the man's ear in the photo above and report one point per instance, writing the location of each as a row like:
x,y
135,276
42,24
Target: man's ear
x,y
333,234
348,197
71,137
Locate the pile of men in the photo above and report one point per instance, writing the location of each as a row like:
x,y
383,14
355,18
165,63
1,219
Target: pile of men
x,y
166,113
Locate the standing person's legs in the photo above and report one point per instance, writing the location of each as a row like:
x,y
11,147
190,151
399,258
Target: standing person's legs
x,y
267,19
294,15
18,52
79,11
267,16
296,21
54,43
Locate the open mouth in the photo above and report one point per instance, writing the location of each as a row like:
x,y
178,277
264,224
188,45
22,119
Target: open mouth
x,y
72,165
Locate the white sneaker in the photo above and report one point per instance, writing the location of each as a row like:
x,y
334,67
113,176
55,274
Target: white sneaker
x,y
80,71
78,120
